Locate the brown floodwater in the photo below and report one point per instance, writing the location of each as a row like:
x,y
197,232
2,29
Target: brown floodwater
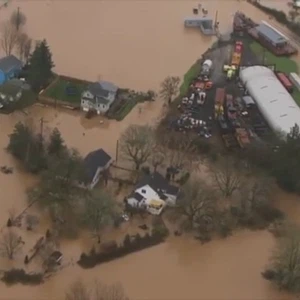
x,y
135,44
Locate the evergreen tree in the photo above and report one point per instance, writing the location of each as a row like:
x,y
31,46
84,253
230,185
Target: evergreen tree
x,y
19,140
27,147
40,66
56,143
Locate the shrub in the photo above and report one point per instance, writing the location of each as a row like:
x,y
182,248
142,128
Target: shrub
x,y
269,274
14,276
159,228
139,243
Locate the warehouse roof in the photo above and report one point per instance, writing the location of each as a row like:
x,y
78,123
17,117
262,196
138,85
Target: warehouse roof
x,y
270,33
273,100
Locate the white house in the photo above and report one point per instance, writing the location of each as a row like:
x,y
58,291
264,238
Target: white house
x,y
99,96
153,193
95,164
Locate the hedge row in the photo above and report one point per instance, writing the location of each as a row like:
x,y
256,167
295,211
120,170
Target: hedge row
x,y
14,276
129,246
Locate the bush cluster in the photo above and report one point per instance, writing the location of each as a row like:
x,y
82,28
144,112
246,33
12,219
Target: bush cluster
x,y
129,245
14,276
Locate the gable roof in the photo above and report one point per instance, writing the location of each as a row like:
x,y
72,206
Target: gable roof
x,y
9,63
102,88
158,183
94,160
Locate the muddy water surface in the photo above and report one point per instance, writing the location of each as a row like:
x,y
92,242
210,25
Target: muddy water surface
x,y
135,44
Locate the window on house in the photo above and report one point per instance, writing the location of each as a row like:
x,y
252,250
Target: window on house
x,y
144,191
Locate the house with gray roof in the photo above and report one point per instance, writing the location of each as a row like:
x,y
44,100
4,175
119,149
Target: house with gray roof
x,y
10,67
99,96
271,35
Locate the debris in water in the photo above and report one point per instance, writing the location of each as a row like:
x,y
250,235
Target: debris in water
x,y
6,170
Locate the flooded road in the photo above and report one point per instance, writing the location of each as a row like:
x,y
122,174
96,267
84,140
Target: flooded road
x,y
135,44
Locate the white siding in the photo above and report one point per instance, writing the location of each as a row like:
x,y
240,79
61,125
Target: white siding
x,y
273,100
147,192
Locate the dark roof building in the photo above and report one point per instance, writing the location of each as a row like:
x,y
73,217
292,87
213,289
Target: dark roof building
x,y
94,161
10,63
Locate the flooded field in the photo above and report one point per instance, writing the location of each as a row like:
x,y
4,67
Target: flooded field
x,y
135,44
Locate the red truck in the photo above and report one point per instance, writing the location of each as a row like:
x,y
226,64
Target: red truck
x,y
285,81
219,102
238,48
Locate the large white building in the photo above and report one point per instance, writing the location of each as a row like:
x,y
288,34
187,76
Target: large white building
x,y
273,100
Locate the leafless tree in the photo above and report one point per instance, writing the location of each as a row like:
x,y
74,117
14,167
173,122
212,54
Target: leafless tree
x,y
157,157
110,292
18,19
256,192
180,152
78,291
196,203
136,144
169,88
31,221
10,243
9,37
227,176
24,46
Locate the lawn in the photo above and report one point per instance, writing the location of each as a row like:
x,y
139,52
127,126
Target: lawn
x,y
58,90
191,74
283,64
296,95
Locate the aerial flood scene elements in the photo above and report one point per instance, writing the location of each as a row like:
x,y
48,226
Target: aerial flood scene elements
x,y
150,149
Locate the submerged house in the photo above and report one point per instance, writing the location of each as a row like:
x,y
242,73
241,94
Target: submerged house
x,y
153,193
95,163
206,25
99,96
10,67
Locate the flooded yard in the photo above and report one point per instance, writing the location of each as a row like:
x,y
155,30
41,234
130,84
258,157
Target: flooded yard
x,y
134,44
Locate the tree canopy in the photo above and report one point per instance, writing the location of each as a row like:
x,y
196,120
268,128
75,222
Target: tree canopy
x,y
169,88
27,147
136,144
40,66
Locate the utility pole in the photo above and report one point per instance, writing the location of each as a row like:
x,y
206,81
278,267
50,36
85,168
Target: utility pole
x,y
42,127
18,21
117,150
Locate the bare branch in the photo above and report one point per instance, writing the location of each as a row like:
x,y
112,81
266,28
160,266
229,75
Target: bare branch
x,y
10,244
136,144
9,37
226,177
169,88
78,291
